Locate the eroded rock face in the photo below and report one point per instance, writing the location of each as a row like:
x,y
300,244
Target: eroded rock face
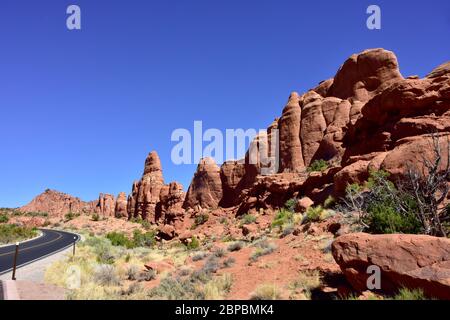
x,y
363,74
413,261
205,190
365,118
106,205
291,158
121,206
146,192
171,203
57,204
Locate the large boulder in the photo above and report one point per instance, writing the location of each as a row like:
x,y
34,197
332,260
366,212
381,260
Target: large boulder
x,y
412,261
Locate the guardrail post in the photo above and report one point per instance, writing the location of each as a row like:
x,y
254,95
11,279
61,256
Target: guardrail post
x,y
74,243
15,261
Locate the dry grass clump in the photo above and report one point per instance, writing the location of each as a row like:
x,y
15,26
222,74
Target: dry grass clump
x,y
266,291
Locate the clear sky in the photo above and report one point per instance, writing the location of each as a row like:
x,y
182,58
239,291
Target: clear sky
x,y
80,110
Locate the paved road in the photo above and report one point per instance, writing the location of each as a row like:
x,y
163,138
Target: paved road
x,y
52,241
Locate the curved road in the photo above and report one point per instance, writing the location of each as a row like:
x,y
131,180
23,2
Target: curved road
x,y
50,242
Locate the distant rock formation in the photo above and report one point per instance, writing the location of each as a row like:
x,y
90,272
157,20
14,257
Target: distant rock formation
x,y
57,204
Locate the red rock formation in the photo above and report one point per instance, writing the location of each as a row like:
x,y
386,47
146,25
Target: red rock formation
x,y
412,261
121,206
291,158
205,190
171,204
57,204
145,194
106,205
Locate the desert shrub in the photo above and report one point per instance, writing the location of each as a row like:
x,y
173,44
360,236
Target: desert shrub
x,y
383,218
235,246
290,204
199,256
318,166
102,249
201,219
36,214
147,275
219,252
193,244
10,233
132,272
229,262
262,248
211,265
106,275
266,292
306,281
216,288
95,217
70,216
4,218
132,289
282,217
381,207
407,294
314,214
223,220
184,271
329,202
146,239
119,239
247,219
177,289
287,230
228,238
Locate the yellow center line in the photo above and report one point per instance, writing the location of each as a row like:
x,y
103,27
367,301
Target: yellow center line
x,y
35,246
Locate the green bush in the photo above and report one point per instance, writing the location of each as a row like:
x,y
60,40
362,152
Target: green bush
x,y
247,219
95,217
282,217
10,233
383,209
193,244
71,215
317,166
4,218
146,239
201,219
383,218
314,214
407,294
119,239
290,204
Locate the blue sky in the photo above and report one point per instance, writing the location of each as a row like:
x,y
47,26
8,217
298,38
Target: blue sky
x,y
80,110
